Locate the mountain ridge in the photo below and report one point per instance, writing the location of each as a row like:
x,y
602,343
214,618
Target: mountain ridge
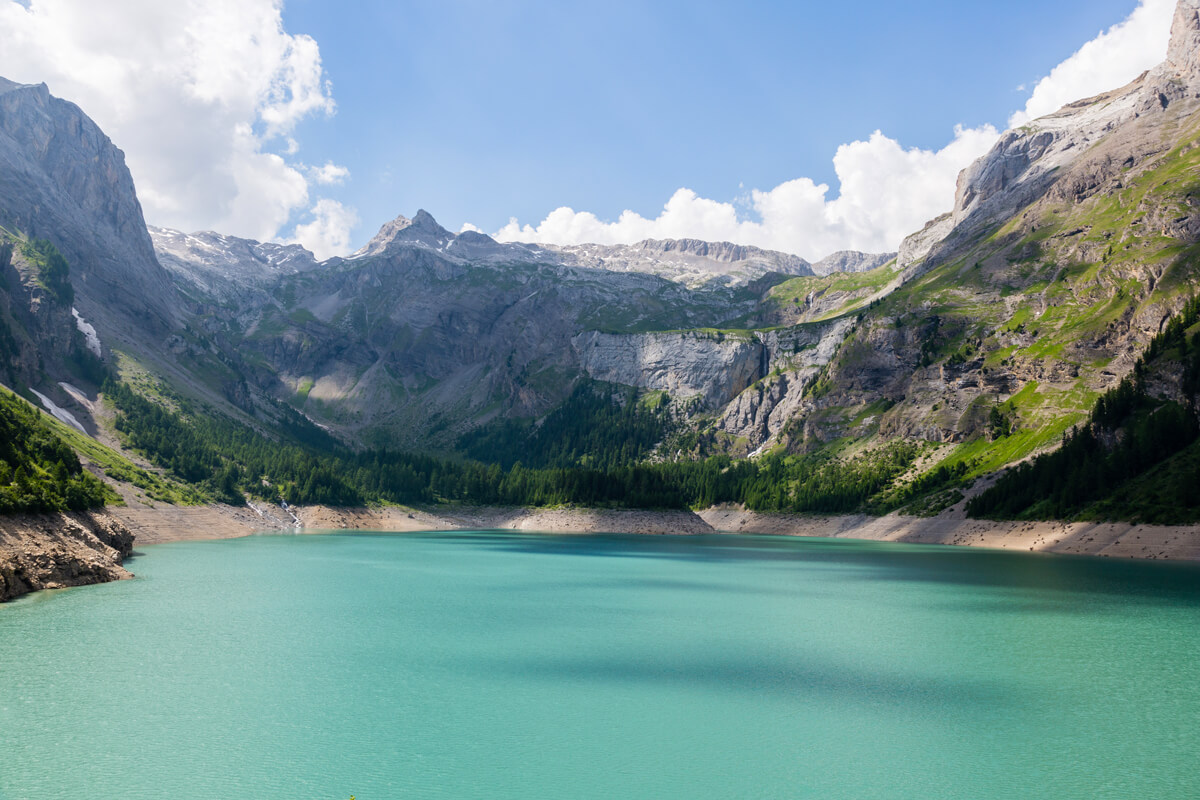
x,y
993,331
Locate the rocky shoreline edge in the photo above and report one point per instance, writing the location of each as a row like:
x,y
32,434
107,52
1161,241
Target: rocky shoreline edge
x,y
59,550
54,551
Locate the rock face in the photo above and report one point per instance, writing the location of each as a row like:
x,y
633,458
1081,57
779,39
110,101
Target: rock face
x,y
223,267
688,261
714,367
760,415
916,246
1183,54
851,261
62,179
54,551
38,330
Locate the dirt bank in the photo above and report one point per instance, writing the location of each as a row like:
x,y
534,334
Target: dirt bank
x,y
54,551
1116,540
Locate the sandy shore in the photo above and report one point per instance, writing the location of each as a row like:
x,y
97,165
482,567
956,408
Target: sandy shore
x,y
53,551
1112,540
1115,540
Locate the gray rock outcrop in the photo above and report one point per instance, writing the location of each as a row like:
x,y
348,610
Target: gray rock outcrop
x,y
916,246
713,366
62,179
851,261
222,267
690,262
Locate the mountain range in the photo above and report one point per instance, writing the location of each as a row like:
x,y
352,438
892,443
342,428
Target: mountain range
x,y
982,342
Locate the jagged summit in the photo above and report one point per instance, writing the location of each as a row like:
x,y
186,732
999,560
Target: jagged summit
x,y
422,229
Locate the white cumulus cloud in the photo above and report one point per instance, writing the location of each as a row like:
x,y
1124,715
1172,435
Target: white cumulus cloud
x,y
885,191
1111,60
202,95
328,175
328,234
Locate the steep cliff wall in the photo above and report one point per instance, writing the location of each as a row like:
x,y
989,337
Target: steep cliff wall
x,y
62,179
713,366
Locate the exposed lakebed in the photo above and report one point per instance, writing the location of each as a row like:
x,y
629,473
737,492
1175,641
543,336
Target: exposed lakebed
x,y
491,665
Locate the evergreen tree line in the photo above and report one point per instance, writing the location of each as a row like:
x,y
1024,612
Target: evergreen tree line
x,y
600,426
1128,433
39,472
228,459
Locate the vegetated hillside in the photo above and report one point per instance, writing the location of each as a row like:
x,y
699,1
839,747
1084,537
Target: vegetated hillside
x,y
1135,458
39,471
643,375
1073,243
227,460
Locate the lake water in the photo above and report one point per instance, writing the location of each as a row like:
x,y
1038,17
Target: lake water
x,y
498,665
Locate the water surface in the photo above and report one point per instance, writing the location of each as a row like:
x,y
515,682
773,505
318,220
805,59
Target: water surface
x,y
499,665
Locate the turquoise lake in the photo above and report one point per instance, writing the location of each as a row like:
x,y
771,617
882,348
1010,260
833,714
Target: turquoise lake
x,y
500,665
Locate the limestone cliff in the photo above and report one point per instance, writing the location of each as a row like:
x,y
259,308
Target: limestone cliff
x,y
712,366
62,179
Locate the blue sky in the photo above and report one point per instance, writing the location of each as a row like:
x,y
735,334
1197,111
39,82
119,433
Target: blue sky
x,y
482,111
805,127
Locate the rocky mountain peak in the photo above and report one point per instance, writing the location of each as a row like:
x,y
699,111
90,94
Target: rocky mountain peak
x,y
1183,55
851,261
64,180
1028,160
7,86
425,223
421,229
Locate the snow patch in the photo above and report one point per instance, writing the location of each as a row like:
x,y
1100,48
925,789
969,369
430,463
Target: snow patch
x,y
762,449
89,332
60,414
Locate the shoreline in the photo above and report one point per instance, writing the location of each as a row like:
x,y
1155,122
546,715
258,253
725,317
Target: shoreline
x,y
53,551
1105,540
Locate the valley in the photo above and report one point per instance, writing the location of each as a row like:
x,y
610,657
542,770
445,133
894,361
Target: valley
x,y
433,371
